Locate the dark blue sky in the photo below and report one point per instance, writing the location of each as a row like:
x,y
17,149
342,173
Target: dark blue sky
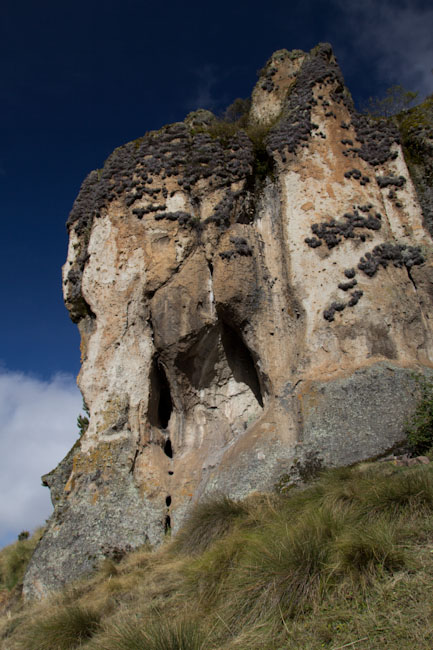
x,y
80,78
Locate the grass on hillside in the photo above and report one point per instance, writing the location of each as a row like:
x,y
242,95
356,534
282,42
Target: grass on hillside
x,y
348,560
15,558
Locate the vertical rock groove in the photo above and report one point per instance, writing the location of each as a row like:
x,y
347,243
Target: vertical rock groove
x,y
160,403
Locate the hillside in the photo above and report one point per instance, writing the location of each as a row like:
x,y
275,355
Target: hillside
x,y
344,562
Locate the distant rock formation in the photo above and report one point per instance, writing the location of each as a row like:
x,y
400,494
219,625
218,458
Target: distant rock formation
x,y
246,297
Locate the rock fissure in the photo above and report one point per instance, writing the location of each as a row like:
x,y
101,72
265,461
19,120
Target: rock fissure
x,y
160,404
411,277
131,471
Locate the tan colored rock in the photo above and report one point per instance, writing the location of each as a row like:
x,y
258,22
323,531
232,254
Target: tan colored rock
x,y
221,339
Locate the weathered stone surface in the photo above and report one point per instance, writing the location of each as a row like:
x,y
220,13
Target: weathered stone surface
x,y
357,416
245,298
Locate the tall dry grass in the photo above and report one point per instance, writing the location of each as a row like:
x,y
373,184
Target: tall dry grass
x,y
350,556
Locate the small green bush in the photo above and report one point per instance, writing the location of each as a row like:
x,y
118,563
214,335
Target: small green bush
x,y
24,534
209,520
66,628
83,420
420,428
238,111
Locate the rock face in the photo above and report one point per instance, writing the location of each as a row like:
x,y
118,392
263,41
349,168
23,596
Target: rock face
x,y
245,297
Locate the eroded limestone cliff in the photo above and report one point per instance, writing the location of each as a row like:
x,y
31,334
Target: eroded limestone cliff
x,y
245,296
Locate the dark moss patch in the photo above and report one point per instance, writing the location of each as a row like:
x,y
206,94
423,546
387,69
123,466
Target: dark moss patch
x,y
386,181
329,314
376,138
241,247
345,286
332,232
399,255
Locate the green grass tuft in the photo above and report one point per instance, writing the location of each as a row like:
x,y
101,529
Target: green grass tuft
x,y
206,575
369,549
410,492
208,521
284,568
160,635
64,629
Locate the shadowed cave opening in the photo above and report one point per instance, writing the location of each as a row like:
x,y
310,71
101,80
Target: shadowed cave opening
x,y
240,361
168,449
167,524
160,402
200,362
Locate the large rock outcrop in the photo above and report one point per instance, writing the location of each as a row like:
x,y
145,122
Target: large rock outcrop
x,y
245,297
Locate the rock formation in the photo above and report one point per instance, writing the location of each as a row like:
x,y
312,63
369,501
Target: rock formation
x,y
246,298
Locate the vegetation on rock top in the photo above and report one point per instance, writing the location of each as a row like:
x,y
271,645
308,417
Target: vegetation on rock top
x,y
396,100
416,128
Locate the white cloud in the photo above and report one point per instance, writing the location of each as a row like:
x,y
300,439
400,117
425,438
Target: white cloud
x,y
37,428
205,94
398,35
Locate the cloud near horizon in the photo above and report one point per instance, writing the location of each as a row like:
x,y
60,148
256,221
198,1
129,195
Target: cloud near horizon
x,y
37,428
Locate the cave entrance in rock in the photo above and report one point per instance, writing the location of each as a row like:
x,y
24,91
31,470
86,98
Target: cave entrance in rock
x,y
200,362
240,361
160,402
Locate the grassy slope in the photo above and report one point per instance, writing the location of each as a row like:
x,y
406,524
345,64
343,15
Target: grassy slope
x,y
349,559
14,560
